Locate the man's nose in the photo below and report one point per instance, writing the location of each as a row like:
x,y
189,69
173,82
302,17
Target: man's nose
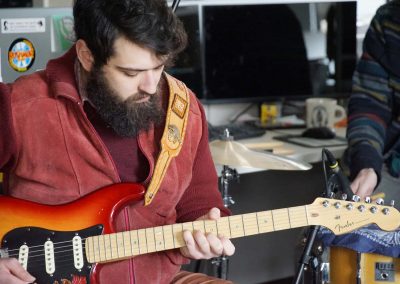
x,y
149,82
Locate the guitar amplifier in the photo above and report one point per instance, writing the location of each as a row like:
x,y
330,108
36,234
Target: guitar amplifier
x,y
346,266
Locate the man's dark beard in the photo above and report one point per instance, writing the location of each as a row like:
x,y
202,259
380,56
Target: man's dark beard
x,y
128,117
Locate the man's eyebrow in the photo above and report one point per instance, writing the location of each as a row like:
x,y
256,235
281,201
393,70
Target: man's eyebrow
x,y
128,69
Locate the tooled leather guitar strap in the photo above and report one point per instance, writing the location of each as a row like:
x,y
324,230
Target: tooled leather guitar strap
x,y
173,136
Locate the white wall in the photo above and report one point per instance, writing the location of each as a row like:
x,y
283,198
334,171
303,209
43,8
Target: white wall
x,y
52,3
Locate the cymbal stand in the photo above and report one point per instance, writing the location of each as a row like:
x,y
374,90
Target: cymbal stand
x,y
227,176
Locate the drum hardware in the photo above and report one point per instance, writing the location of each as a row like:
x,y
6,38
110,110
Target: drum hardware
x,y
231,154
221,263
320,272
228,175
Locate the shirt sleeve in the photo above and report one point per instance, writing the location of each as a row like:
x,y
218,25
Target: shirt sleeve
x,y
202,193
7,134
370,105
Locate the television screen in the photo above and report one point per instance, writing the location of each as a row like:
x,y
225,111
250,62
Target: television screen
x,y
259,52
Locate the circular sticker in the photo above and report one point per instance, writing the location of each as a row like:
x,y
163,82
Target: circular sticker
x,y
21,55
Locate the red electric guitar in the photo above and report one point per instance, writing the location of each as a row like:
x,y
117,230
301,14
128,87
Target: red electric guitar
x,y
68,241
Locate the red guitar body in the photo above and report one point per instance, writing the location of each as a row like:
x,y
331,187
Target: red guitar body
x,y
23,222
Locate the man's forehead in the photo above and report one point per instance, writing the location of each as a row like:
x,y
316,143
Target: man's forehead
x,y
130,55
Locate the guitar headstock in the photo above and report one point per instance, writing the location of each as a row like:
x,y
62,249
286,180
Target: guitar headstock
x,y
341,216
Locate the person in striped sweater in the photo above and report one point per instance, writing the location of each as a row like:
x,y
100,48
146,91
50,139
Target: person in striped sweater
x,y
374,107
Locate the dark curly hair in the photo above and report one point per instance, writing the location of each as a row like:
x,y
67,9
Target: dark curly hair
x,y
147,23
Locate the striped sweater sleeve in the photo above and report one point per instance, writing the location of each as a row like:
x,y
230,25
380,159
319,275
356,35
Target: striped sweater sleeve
x,y
372,101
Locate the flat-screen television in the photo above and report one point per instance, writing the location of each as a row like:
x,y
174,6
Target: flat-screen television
x,y
256,51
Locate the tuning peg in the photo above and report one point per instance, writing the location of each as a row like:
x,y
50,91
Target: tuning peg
x,y
344,196
356,198
392,203
367,199
385,211
361,208
380,201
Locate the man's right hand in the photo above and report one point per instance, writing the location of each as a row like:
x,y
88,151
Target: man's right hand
x,y
11,272
365,182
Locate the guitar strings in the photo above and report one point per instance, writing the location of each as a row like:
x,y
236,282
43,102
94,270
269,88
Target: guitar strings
x,y
64,257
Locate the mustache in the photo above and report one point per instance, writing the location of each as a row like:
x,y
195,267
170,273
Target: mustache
x,y
138,96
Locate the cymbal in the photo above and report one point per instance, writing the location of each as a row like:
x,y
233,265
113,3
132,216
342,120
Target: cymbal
x,y
235,154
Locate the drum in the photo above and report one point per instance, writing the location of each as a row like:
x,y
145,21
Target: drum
x,y
348,266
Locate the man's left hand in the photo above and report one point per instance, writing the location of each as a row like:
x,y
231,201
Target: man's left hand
x,y
206,246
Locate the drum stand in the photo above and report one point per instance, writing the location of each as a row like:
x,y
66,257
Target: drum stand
x,y
228,174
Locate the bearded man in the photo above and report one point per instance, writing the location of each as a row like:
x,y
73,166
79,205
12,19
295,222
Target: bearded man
x,y
101,115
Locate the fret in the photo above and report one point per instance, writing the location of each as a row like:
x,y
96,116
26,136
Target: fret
x,y
142,241
159,238
107,247
187,226
127,244
265,223
151,245
120,245
223,227
236,224
211,226
168,237
96,248
178,237
199,226
102,254
298,216
114,246
250,224
281,219
134,242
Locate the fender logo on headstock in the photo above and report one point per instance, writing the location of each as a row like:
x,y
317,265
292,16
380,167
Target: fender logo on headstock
x,y
346,227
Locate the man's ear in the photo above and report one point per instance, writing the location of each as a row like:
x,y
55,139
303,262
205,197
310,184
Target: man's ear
x,y
84,54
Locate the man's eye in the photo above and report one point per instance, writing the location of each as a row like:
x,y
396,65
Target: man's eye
x,y
131,74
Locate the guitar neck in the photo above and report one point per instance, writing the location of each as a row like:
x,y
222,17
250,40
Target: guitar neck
x,y
117,246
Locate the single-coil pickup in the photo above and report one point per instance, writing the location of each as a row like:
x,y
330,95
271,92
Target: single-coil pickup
x,y
78,252
49,257
23,256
